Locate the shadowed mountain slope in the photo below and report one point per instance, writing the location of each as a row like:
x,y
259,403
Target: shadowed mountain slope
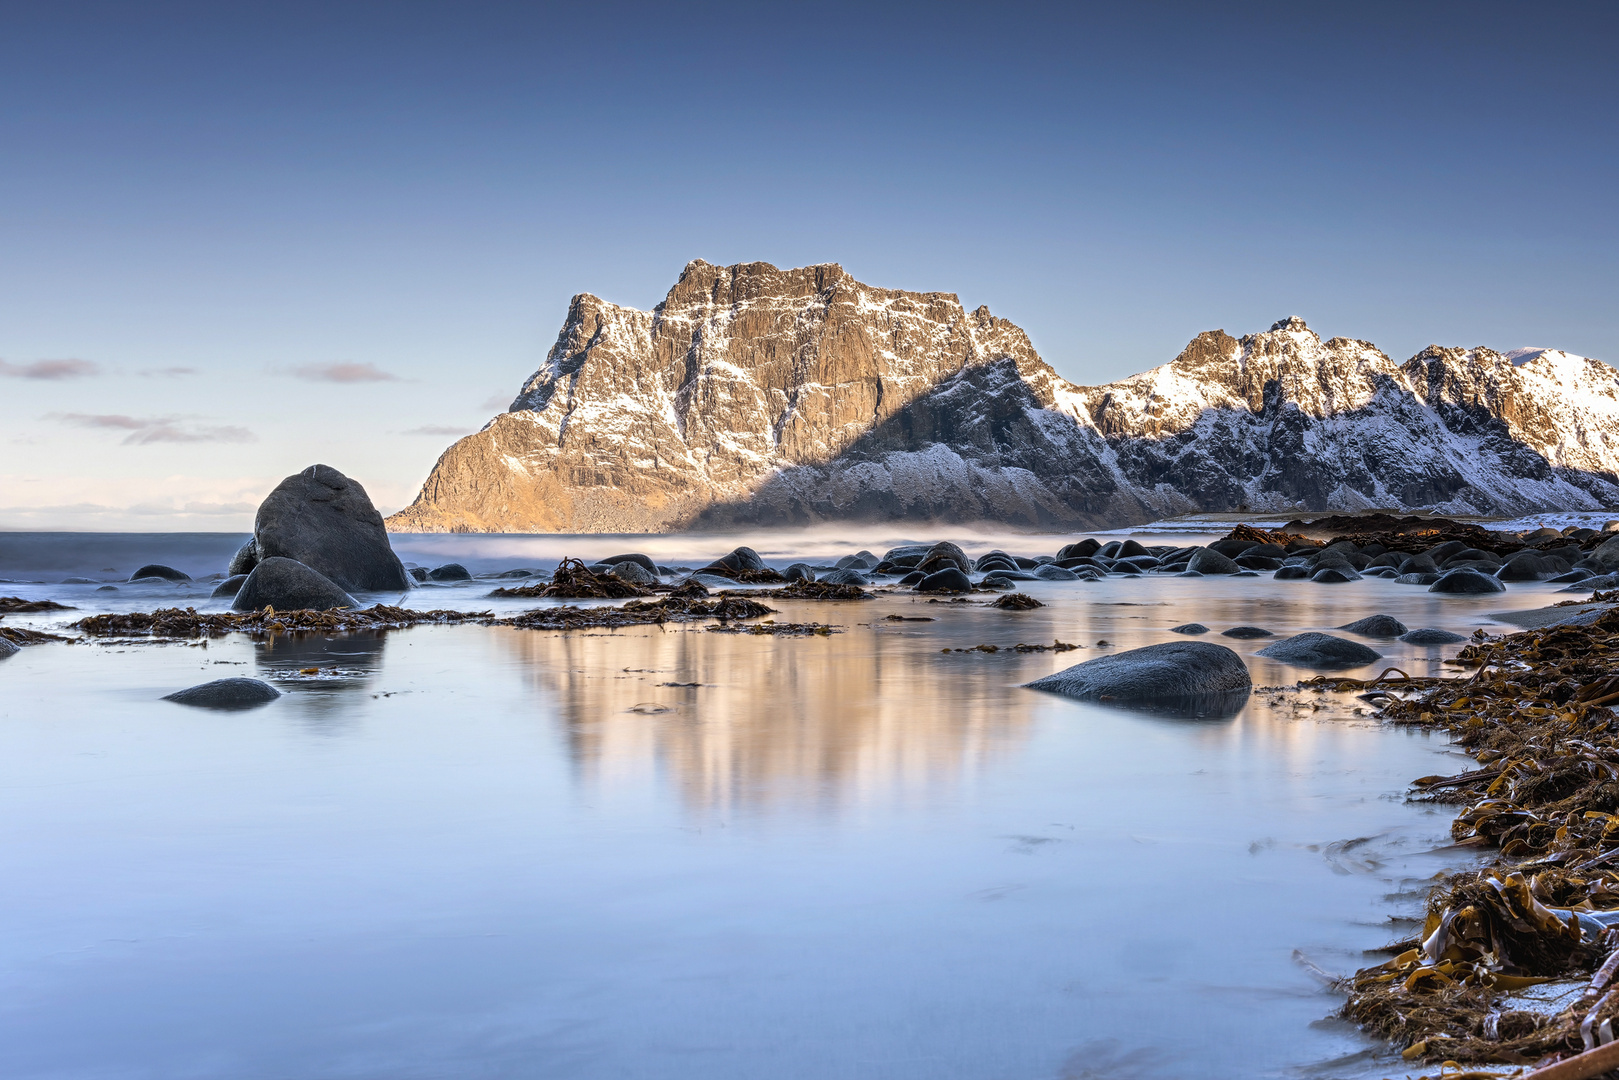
x,y
765,396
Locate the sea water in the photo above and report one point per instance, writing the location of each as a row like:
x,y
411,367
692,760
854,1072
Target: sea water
x,y
469,851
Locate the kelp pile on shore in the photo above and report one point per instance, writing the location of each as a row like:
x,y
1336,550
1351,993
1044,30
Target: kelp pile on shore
x,y
16,605
639,613
1538,717
574,580
813,590
1414,533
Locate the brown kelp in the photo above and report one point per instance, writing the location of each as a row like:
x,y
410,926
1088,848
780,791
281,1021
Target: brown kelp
x,y
1537,716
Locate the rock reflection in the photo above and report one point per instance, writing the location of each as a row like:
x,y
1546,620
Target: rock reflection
x,y
321,671
833,720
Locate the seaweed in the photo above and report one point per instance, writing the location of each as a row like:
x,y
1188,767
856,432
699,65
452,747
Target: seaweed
x,y
19,636
16,605
1017,602
814,590
189,622
1536,715
777,629
573,580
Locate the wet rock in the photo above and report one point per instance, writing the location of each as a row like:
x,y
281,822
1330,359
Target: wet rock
x,y
1079,549
915,577
1418,579
1531,566
158,570
1174,672
1321,651
1188,573
740,561
1189,628
1466,582
1430,637
643,561
108,588
226,694
80,581
230,586
1604,558
8,648
1246,632
799,572
418,573
846,576
1258,562
863,560
633,572
1577,574
449,572
1053,572
1334,575
1207,562
287,585
1381,626
947,580
1292,573
944,549
245,559
325,521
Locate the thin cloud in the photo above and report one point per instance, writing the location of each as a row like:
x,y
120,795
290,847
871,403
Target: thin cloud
x,y
49,369
438,429
146,430
344,373
168,372
497,401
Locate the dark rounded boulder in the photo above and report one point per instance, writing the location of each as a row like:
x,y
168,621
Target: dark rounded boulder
x,y
1177,673
946,550
229,587
633,572
915,577
1246,632
1430,637
449,572
1207,561
325,521
8,648
1322,651
1189,628
644,561
799,572
1418,564
1334,575
1053,572
948,580
226,694
158,570
1292,573
742,560
1418,579
1381,626
289,585
245,559
845,576
1080,549
418,573
1466,582
1531,566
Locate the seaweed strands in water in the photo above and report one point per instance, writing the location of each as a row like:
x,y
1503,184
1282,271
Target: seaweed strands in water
x,y
1055,646
1537,716
776,629
573,580
639,613
16,605
17,635
814,590
188,622
1017,602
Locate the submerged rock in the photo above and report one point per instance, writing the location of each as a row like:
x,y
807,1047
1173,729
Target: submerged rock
x,y
1206,561
230,586
287,585
1466,582
1176,673
226,694
8,648
1430,637
1246,632
1335,575
799,572
949,579
643,561
1314,650
1376,626
325,521
1189,628
742,560
158,570
1292,573
846,576
449,572
633,572
245,559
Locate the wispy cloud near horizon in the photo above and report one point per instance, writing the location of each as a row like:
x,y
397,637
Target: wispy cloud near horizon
x,y
50,369
437,429
168,372
344,373
158,429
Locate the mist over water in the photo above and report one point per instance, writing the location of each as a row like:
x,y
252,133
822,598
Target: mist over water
x,y
489,852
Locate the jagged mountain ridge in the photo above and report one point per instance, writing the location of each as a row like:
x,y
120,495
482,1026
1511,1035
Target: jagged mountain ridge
x,y
766,396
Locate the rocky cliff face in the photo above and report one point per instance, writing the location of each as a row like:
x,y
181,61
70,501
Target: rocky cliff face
x,y
758,395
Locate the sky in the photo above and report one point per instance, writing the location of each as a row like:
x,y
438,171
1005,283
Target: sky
x,y
237,239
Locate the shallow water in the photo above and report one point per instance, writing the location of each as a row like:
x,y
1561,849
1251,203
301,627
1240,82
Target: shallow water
x,y
484,852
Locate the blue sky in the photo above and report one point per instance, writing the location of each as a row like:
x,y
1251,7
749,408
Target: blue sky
x,y
271,234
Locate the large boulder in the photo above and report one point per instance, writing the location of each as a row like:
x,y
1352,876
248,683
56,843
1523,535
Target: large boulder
x,y
1466,582
245,559
1430,636
645,561
1079,549
634,573
799,572
1531,566
743,560
321,518
945,550
229,587
1176,673
289,585
1323,651
1385,626
845,576
226,694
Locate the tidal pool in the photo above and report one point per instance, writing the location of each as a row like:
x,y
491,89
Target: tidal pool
x,y
484,852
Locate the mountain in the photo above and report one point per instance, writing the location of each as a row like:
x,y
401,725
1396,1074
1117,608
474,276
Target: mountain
x,y
754,395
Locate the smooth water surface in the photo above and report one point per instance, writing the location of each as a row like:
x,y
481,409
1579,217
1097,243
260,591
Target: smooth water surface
x,y
483,852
